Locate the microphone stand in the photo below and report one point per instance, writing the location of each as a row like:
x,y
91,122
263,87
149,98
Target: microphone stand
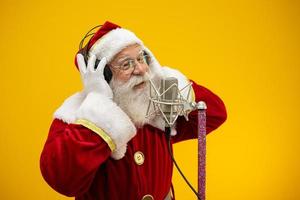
x,y
201,106
181,106
201,129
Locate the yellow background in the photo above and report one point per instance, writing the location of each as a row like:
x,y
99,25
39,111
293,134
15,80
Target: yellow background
x,y
247,52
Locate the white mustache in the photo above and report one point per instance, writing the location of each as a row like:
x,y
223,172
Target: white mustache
x,y
117,85
135,80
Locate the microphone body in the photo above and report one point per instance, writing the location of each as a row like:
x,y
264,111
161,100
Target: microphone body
x,y
169,91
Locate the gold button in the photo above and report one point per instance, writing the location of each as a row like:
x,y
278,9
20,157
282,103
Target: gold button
x,y
148,197
139,158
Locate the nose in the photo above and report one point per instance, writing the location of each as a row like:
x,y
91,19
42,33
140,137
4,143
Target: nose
x,y
140,69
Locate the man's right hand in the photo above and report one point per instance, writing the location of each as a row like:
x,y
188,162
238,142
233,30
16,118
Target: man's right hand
x,y
93,80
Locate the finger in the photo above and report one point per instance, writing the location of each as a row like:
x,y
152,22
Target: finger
x,y
81,63
91,63
101,65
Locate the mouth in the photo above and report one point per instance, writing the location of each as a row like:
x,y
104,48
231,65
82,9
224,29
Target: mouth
x,y
140,85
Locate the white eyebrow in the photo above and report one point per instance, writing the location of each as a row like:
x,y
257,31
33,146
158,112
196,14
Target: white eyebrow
x,y
123,58
127,57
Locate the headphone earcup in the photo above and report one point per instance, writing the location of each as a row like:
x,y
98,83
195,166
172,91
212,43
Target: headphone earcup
x,y
96,64
107,74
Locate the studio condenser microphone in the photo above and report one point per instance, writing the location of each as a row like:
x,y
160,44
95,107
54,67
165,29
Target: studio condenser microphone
x,y
170,102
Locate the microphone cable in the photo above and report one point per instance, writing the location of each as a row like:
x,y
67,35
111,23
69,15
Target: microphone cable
x,y
168,137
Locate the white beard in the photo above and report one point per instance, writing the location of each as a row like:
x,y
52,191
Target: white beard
x,y
134,102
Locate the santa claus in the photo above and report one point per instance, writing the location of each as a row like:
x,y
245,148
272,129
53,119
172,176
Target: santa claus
x,y
100,145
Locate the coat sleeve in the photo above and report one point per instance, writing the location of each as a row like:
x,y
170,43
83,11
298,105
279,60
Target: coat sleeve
x,y
215,115
71,156
87,129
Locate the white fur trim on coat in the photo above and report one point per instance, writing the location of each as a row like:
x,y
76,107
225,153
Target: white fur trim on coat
x,y
67,111
105,114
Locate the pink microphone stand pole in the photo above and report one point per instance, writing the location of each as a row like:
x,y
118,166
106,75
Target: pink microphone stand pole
x,y
201,106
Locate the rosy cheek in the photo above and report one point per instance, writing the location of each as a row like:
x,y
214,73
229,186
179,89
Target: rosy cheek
x,y
122,77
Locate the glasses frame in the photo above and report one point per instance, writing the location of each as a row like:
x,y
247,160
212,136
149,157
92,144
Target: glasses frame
x,y
146,60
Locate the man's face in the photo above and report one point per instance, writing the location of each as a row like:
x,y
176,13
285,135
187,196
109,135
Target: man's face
x,y
131,88
129,55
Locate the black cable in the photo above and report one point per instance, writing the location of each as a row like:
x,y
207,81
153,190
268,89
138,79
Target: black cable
x,y
168,135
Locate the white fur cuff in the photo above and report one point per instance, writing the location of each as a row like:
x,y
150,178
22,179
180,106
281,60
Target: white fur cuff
x,y
105,114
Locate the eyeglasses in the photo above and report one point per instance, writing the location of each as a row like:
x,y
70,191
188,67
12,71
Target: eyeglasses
x,y
129,64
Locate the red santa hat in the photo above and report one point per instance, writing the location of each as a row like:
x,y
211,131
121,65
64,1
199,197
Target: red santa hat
x,y
109,40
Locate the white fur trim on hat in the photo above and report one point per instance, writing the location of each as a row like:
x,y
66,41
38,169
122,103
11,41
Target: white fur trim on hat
x,y
113,42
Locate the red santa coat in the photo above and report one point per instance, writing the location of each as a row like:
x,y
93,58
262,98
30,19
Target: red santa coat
x,y
76,161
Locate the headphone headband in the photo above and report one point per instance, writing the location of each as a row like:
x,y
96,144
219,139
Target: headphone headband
x,y
87,35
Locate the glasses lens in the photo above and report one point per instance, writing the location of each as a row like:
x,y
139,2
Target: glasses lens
x,y
127,65
130,64
141,59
